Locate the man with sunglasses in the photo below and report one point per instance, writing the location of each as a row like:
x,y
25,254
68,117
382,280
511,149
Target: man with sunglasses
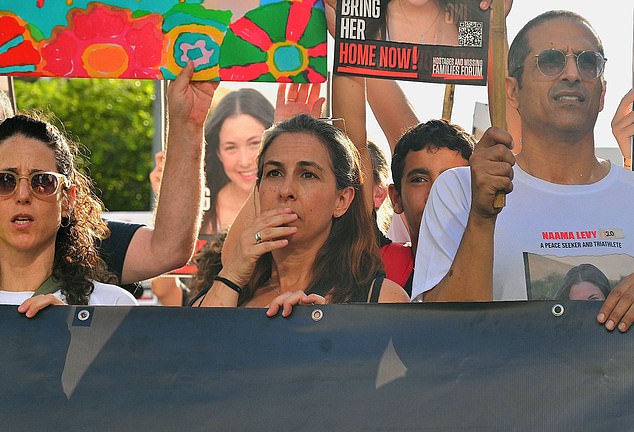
x,y
566,207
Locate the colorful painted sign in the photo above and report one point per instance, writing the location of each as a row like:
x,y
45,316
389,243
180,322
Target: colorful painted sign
x,y
246,40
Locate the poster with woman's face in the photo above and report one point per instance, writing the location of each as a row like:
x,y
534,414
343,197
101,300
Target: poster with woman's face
x,y
584,277
419,40
233,133
250,40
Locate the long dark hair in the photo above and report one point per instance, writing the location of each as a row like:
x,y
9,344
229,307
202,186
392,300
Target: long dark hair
x,y
584,273
76,263
349,259
243,101
208,265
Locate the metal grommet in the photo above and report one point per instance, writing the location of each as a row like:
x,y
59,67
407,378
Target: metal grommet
x,y
83,315
317,315
558,310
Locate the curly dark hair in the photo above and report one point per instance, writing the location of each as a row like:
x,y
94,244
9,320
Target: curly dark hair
x,y
208,263
76,263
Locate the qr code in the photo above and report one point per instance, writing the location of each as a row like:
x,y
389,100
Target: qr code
x,y
470,33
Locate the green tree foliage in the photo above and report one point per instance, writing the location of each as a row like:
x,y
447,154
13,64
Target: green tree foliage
x,y
547,288
112,119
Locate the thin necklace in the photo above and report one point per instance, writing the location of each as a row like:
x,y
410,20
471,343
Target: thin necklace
x,y
423,35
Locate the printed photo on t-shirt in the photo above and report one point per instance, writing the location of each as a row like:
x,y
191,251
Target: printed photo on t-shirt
x,y
583,277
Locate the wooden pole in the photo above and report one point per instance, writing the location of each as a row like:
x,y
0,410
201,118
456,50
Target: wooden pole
x,y
498,36
447,105
632,137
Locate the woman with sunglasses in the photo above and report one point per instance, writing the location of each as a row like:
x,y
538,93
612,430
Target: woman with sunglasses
x,y
49,222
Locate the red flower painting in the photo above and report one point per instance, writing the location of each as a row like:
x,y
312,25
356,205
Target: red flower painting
x,y
106,42
15,43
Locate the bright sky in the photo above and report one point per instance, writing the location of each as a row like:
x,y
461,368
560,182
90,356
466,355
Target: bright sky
x,y
614,26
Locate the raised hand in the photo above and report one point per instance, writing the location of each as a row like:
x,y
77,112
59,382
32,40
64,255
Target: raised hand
x,y
623,124
295,99
157,173
266,233
189,101
491,170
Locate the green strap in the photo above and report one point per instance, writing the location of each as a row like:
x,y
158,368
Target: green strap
x,y
49,286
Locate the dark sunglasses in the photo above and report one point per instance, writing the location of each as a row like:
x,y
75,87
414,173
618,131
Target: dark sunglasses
x,y
42,184
552,62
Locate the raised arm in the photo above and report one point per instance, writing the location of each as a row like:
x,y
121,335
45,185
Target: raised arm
x,y
391,108
171,243
348,103
295,99
623,125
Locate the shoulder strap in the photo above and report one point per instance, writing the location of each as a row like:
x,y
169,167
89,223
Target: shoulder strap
x,y
49,286
375,288
408,285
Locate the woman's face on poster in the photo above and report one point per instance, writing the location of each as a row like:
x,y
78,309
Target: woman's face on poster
x,y
586,291
239,143
418,3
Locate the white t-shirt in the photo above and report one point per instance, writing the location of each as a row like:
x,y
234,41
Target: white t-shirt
x,y
103,295
544,230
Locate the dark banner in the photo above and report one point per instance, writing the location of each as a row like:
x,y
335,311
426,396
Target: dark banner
x,y
516,366
444,41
